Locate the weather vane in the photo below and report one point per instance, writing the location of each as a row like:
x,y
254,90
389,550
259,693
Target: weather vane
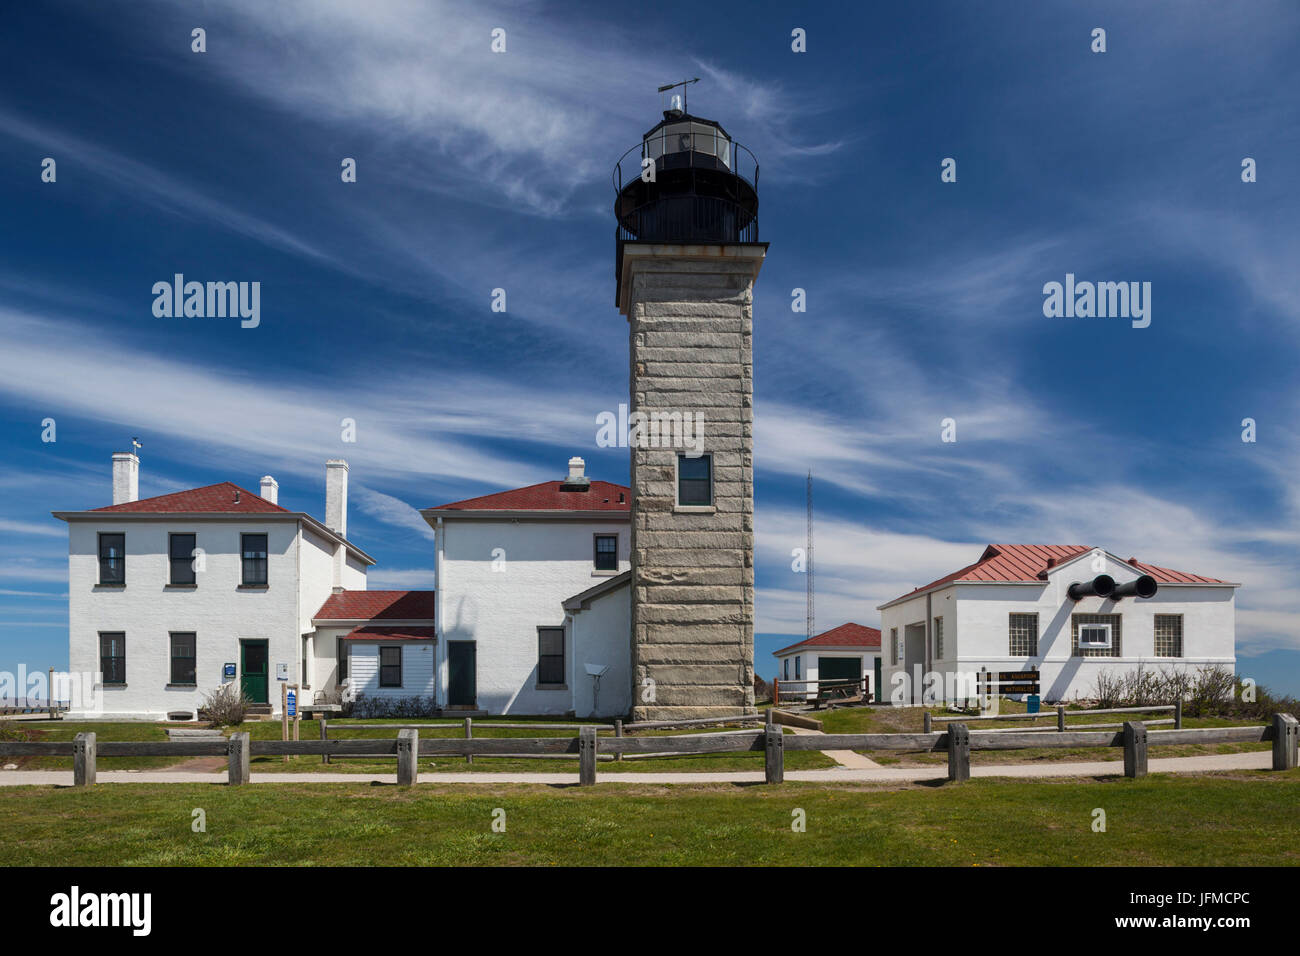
x,y
683,84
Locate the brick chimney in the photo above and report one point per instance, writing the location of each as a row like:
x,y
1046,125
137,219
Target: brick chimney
x,y
336,496
270,489
126,477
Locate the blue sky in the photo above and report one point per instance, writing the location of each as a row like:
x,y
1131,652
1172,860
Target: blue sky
x,y
479,170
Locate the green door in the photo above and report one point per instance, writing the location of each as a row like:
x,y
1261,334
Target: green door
x,y
838,669
461,666
253,670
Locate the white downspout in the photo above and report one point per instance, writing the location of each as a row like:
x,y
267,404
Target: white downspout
x,y
439,643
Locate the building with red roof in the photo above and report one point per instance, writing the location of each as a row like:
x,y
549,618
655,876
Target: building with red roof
x,y
1052,619
533,608
824,663
170,597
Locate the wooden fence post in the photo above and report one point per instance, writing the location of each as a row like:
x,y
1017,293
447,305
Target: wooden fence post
x,y
1178,714
1135,749
324,735
586,756
1286,740
929,723
1060,718
237,759
469,735
774,754
83,760
618,732
958,752
408,748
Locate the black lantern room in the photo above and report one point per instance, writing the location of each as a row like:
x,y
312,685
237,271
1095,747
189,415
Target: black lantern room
x,y
687,181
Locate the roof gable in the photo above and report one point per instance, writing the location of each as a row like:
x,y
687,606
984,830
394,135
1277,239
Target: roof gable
x,y
222,498
846,635
549,496
1031,564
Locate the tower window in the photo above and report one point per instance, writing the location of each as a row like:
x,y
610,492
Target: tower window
x,y
695,480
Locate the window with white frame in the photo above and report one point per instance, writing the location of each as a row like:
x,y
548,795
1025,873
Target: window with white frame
x,y
1096,635
785,671
938,638
893,645
797,671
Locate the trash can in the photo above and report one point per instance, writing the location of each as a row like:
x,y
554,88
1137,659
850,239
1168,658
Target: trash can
x,y
1032,702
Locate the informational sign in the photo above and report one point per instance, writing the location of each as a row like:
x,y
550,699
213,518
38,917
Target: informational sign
x,y
291,702
228,671
281,671
1008,682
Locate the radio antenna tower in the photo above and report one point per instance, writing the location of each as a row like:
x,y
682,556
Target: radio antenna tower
x,y
809,552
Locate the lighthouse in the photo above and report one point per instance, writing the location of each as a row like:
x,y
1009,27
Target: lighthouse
x,y
687,256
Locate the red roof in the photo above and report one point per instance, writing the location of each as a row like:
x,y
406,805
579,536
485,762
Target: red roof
x,y
210,499
548,496
846,635
1029,563
398,633
377,606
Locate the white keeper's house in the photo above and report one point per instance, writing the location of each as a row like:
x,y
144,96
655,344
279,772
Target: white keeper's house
x,y
848,652
534,599
1068,611
172,596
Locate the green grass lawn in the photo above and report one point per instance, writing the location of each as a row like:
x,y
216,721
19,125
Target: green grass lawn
x,y
1240,819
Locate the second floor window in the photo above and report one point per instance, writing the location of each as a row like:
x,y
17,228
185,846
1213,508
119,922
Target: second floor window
x,y
253,548
606,552
180,550
695,480
112,559
183,657
112,657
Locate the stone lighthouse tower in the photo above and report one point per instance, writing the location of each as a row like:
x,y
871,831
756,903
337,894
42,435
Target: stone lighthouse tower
x,y
688,254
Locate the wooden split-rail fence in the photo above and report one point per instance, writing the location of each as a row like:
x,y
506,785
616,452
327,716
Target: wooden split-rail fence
x,y
957,740
1061,714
